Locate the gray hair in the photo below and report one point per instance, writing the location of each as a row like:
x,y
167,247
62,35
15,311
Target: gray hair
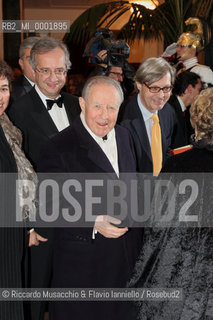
x,y
27,43
102,80
47,44
153,69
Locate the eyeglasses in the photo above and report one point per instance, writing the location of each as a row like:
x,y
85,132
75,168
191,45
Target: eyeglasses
x,y
158,89
47,71
117,74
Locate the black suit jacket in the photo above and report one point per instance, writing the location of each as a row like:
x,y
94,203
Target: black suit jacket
x,y
20,87
182,128
11,239
103,262
133,120
181,256
31,116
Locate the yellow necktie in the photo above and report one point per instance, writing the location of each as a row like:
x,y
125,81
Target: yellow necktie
x,y
156,145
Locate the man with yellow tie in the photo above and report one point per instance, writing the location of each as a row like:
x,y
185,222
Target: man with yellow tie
x,y
148,116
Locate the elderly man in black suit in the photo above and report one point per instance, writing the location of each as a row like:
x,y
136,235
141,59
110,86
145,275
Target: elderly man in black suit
x,y
41,114
154,80
104,255
25,82
187,86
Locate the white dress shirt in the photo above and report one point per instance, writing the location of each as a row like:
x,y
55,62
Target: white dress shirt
x,y
147,118
31,82
183,107
58,115
108,146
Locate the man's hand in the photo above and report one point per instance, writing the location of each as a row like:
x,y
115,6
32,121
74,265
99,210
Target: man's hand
x,y
103,225
34,239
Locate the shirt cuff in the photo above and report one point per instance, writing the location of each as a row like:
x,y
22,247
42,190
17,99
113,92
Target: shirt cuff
x,y
94,232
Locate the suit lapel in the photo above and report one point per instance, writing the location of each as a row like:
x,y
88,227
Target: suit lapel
x,y
163,130
140,129
96,155
68,108
26,84
179,113
123,152
93,150
41,115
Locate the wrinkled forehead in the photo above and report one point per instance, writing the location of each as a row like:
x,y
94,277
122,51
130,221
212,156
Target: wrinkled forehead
x,y
104,92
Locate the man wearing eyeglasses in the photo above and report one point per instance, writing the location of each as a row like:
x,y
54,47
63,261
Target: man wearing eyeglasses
x,y
41,114
116,73
148,110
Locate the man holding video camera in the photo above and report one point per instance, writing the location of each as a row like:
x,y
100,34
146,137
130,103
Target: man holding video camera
x,y
109,57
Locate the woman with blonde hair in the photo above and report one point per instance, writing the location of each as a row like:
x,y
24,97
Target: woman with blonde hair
x,y
179,257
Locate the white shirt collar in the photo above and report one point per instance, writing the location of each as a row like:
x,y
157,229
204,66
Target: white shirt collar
x,y
109,146
183,107
145,112
31,82
96,138
189,63
43,97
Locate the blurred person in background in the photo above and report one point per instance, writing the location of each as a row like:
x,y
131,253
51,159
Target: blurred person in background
x,y
180,256
110,59
186,87
74,83
24,82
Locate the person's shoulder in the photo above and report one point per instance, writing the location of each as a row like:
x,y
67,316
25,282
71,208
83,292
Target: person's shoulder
x,y
172,100
24,98
130,109
121,129
19,106
167,108
18,81
204,72
129,102
69,97
188,161
68,136
166,112
71,102
203,66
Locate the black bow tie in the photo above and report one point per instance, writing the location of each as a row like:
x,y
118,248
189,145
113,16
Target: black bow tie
x,y
104,138
50,103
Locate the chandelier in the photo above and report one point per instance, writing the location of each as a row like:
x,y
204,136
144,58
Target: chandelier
x,y
149,4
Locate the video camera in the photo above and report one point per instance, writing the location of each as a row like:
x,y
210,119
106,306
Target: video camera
x,y
117,50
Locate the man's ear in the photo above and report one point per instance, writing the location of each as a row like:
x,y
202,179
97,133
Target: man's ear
x,y
82,104
189,88
20,62
139,85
